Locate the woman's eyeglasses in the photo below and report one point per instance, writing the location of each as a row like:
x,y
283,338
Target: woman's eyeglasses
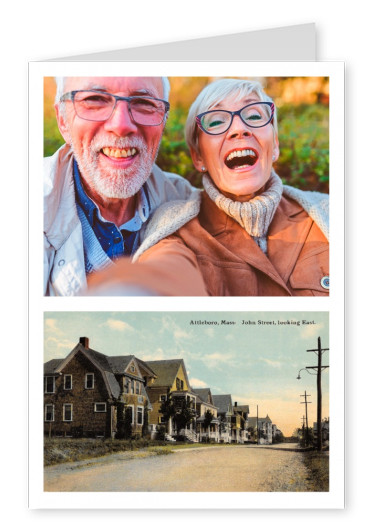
x,y
254,115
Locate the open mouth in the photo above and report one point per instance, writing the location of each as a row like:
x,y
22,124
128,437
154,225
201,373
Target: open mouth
x,y
241,158
116,153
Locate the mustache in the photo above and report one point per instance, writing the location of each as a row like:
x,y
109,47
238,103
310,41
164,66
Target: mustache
x,y
102,141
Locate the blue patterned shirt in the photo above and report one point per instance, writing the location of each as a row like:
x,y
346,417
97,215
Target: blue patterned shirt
x,y
115,241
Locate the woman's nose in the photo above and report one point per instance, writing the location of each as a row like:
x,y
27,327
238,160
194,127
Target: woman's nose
x,y
120,121
238,128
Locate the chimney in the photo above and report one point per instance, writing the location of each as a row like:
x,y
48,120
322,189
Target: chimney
x,y
84,341
236,404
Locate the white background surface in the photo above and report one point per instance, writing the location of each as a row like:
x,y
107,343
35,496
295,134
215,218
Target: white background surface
x,y
41,30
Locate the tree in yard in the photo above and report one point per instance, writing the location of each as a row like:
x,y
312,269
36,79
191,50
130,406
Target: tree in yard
x,y
145,426
168,408
207,421
124,421
184,415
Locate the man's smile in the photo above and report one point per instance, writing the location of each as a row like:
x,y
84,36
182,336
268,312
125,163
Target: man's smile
x,y
117,153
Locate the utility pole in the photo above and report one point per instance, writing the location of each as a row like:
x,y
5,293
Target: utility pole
x,y
319,368
303,426
306,414
257,430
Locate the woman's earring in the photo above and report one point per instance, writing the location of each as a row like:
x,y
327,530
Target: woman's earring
x,y
273,158
203,168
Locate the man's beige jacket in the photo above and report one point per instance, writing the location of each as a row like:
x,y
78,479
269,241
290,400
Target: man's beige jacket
x,y
64,264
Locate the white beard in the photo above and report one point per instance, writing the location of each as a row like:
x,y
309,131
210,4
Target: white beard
x,y
115,183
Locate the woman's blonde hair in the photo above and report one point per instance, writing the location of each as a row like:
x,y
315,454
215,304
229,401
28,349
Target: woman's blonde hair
x,y
216,92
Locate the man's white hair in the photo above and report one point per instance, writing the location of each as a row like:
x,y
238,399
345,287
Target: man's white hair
x,y
60,85
213,94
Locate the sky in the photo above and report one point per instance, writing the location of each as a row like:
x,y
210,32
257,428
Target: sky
x,y
257,363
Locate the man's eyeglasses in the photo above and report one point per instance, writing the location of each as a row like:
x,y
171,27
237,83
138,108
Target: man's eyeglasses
x,y
98,106
253,115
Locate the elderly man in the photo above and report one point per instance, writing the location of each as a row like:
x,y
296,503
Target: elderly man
x,y
102,186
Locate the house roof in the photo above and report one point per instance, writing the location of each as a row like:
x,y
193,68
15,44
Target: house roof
x,y
166,372
252,420
107,365
204,394
50,366
223,403
119,364
241,409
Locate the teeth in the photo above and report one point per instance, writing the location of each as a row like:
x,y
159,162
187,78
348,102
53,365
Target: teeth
x,y
119,153
241,153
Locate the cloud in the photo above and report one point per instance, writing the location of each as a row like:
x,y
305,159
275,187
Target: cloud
x,y
217,358
51,325
272,363
158,354
169,325
311,330
181,334
118,325
195,382
209,332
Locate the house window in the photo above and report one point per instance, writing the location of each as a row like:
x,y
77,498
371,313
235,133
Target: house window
x,y
100,407
49,384
68,412
132,368
49,415
138,388
67,382
89,380
140,399
140,415
163,398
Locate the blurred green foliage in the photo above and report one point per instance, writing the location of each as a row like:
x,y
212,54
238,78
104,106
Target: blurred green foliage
x,y
304,146
303,141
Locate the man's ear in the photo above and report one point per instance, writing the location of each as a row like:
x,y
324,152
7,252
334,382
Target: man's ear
x,y
62,125
197,159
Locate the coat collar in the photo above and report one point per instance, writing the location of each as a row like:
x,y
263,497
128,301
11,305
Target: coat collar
x,y
287,234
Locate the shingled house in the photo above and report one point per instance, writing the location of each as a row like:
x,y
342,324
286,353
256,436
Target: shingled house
x,y
91,394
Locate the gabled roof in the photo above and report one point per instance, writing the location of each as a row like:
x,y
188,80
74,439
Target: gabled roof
x,y
252,420
241,409
119,364
50,366
223,403
166,372
107,365
204,395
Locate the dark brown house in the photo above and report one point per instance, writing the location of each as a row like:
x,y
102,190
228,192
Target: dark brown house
x,y
94,395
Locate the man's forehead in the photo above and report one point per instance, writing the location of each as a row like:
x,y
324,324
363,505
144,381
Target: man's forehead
x,y
115,85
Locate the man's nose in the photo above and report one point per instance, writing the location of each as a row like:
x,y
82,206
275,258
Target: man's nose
x,y
120,121
238,128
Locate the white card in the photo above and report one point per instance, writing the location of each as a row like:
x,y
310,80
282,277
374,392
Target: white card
x,y
178,61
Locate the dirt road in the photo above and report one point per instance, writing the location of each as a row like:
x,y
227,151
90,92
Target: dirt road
x,y
209,469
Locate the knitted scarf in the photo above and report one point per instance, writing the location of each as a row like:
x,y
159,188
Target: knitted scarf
x,y
255,215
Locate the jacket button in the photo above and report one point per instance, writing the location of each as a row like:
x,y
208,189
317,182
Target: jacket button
x,y
325,282
117,240
61,262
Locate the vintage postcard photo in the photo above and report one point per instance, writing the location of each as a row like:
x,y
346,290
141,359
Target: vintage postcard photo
x,y
187,402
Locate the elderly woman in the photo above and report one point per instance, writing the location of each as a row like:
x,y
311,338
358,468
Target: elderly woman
x,y
246,233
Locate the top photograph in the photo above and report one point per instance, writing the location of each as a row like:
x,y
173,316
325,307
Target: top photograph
x,y
186,186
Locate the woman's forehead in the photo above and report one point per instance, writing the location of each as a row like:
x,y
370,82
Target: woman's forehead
x,y
235,101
